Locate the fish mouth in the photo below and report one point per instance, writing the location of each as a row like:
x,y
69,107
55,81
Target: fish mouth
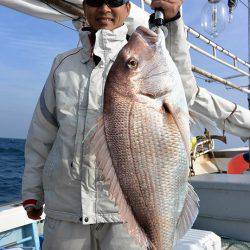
x,y
148,35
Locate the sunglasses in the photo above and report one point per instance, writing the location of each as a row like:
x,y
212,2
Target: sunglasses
x,y
109,3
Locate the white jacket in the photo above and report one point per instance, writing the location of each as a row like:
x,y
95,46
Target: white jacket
x,y
59,169
213,107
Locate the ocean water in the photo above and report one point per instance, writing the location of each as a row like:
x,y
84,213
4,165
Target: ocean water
x,y
11,169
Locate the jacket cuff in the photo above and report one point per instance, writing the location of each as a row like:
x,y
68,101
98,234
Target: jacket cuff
x,y
177,16
29,203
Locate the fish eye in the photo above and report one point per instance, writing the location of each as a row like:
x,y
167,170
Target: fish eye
x,y
132,63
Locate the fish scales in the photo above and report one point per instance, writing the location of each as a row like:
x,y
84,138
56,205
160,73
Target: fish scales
x,y
143,167
146,130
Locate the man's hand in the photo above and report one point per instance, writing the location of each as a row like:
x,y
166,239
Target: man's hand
x,y
33,213
170,7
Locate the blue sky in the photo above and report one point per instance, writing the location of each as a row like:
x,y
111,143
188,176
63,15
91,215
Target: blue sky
x,y
28,46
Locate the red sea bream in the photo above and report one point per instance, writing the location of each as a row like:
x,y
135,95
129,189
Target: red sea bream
x,y
142,143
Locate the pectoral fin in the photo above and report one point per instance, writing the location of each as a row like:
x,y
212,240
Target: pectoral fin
x,y
182,122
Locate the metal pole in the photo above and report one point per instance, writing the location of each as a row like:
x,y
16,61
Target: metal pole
x,y
219,79
198,49
215,46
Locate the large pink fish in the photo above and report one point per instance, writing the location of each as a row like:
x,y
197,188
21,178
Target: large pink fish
x,y
142,143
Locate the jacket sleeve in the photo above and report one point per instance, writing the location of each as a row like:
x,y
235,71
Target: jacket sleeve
x,y
40,138
200,100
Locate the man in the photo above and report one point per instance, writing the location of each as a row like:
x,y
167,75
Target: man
x,y
60,170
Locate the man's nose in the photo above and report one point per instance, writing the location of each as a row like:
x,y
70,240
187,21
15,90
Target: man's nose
x,y
104,7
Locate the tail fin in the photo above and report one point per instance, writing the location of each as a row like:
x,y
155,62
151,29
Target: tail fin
x,y
189,213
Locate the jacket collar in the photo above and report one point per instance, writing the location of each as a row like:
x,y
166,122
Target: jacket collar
x,y
107,43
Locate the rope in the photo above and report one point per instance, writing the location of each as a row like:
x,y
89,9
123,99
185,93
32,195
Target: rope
x,y
198,91
233,111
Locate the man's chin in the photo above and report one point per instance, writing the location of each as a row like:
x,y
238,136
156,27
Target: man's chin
x,y
106,26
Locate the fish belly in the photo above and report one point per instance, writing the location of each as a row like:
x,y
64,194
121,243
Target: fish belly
x,y
151,164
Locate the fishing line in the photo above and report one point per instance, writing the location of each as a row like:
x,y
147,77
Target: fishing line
x,y
242,86
65,26
62,14
57,10
243,3
204,79
236,3
207,81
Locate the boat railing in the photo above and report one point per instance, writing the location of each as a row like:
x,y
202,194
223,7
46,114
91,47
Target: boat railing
x,y
235,63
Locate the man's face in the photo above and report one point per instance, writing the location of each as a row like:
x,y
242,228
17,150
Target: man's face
x,y
105,17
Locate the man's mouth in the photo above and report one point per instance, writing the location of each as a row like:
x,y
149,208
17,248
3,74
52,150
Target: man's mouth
x,y
104,19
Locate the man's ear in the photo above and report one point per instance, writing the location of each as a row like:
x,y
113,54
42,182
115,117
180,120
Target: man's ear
x,y
128,6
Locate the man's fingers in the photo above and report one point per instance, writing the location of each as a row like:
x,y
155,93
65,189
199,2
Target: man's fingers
x,y
35,217
170,9
35,214
169,2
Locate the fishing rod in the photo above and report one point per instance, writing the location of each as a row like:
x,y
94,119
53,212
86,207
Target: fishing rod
x,y
159,17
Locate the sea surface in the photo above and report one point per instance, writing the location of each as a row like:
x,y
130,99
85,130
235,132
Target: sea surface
x,y
11,169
